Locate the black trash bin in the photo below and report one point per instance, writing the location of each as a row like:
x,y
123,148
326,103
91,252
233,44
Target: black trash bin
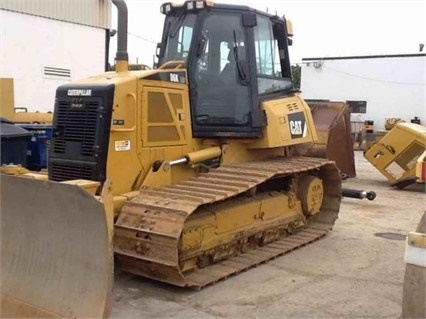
x,y
14,142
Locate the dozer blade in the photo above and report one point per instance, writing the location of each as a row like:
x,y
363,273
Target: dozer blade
x,y
332,122
56,251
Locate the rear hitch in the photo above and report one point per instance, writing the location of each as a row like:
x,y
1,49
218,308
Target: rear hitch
x,y
359,194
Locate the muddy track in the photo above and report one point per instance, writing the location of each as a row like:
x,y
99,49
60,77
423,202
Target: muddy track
x,y
149,228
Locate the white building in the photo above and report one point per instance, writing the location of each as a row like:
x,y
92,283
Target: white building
x,y
47,43
377,87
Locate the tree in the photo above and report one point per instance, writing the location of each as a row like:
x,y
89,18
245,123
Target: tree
x,y
296,71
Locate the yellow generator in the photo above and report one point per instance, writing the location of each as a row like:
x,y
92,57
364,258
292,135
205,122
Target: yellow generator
x,y
190,166
399,154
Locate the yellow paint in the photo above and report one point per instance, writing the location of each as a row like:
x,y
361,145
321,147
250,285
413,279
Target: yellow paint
x,y
204,155
396,154
157,127
277,133
122,66
89,186
7,102
18,115
417,240
226,223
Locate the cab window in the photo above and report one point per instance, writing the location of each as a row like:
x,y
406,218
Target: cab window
x,y
270,58
179,36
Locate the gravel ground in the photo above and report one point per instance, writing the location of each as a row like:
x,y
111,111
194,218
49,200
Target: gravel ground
x,y
356,271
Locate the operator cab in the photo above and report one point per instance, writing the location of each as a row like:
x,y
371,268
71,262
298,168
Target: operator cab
x,y
235,56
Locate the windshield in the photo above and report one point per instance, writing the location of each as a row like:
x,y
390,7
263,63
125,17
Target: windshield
x,y
178,36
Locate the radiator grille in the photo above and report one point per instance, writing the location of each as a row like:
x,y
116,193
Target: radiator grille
x,y
77,125
61,171
80,132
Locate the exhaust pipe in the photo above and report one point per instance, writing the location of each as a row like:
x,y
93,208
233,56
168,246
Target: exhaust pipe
x,y
122,57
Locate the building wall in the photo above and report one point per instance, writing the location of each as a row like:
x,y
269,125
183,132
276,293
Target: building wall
x,y
95,13
30,43
393,87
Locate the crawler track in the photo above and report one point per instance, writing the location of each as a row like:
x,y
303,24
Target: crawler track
x,y
148,232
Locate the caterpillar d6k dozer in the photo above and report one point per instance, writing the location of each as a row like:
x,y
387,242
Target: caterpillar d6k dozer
x,y
193,161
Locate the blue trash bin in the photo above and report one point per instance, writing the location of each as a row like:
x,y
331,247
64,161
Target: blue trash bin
x,y
38,147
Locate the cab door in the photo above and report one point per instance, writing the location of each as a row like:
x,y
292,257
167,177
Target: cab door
x,y
221,91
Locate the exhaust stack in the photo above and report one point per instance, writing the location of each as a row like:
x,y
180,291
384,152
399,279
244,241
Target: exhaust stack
x,y
122,57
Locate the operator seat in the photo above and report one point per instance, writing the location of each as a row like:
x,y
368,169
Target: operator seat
x,y
229,72
226,98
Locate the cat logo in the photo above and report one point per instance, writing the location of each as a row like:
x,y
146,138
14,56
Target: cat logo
x,y
297,124
296,127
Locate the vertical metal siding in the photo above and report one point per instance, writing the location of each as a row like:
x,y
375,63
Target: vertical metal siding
x,y
95,13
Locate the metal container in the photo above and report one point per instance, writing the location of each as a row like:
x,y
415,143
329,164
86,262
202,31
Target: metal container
x,y
38,147
14,141
332,122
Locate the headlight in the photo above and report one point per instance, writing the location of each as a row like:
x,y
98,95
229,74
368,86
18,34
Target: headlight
x,y
199,4
166,8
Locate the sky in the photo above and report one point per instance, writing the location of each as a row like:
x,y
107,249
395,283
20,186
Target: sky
x,y
325,28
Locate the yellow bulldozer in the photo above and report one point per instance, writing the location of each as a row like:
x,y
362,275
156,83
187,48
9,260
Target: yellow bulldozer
x,y
187,173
